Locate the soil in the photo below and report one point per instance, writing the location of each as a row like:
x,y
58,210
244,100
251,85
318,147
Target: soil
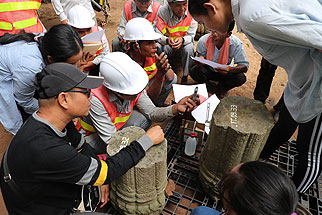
x,y
49,18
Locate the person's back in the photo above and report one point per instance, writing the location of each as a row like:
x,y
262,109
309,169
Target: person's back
x,y
20,15
40,149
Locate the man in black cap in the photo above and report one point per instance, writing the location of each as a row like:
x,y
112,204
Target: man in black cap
x,y
47,161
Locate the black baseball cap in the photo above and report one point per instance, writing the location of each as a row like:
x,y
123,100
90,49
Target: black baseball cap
x,y
61,77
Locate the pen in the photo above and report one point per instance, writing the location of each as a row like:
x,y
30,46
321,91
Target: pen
x,y
193,99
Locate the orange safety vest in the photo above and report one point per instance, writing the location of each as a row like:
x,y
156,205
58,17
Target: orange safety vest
x,y
150,67
151,16
118,119
16,15
179,30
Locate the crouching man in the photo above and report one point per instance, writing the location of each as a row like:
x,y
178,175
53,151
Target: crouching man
x,y
48,161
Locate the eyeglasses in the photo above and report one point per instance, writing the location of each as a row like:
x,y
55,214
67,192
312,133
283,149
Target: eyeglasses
x,y
86,92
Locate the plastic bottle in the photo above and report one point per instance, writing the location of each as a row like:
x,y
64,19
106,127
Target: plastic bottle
x,y
191,144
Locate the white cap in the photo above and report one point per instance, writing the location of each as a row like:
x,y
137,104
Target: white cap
x,y
80,17
122,74
140,29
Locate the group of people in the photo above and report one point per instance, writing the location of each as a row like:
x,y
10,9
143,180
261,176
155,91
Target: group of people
x,y
70,112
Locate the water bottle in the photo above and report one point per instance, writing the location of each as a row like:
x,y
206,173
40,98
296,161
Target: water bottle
x,y
191,144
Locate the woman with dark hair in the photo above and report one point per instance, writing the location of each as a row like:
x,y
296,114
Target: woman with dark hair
x,y
255,188
21,57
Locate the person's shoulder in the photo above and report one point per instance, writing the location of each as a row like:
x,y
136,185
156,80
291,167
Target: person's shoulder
x,y
235,39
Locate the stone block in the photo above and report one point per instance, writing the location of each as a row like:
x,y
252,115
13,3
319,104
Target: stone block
x,y
238,132
141,189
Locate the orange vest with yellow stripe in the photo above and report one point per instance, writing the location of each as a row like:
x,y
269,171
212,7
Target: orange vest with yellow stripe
x,y
118,119
151,16
150,67
179,30
19,15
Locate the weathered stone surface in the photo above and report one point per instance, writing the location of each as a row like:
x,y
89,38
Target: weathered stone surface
x,y
238,132
141,189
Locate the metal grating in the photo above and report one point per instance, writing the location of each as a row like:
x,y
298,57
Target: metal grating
x,y
183,170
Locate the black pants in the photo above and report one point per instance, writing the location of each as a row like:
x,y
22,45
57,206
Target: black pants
x,y
264,80
226,82
309,146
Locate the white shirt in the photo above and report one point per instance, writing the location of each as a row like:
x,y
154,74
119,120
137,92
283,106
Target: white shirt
x,y
62,7
288,33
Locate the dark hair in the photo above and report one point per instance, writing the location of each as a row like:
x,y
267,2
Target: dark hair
x,y
196,7
231,26
60,42
258,188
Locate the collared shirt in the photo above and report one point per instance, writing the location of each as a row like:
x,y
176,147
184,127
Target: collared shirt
x,y
99,118
136,13
236,50
166,13
62,7
19,63
288,33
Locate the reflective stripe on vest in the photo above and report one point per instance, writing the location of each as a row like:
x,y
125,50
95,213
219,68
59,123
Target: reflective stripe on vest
x,y
150,67
179,30
118,119
86,126
151,16
14,6
19,24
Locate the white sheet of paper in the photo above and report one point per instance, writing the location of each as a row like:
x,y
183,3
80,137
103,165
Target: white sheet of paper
x,y
200,113
181,91
93,37
91,47
209,63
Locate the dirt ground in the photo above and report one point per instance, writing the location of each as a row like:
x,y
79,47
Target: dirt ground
x,y
49,18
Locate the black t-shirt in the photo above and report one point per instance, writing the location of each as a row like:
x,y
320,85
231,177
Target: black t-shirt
x,y
47,167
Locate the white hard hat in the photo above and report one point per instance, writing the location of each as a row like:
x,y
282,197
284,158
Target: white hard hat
x,y
140,29
122,74
80,17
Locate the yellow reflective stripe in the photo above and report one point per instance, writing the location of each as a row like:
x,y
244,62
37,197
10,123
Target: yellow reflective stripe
x,y
103,174
150,68
152,75
25,23
164,30
121,119
177,29
19,24
86,126
6,26
13,6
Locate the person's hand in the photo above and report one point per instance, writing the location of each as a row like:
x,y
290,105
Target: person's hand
x,y
185,102
64,22
162,63
105,194
224,71
170,41
177,43
156,134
